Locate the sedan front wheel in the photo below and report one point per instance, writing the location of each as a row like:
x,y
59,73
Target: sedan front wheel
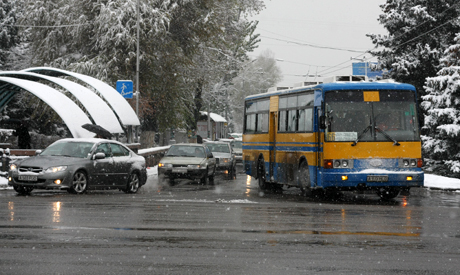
x,y
22,189
79,183
205,178
133,183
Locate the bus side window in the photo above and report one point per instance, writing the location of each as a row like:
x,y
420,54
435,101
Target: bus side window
x,y
282,121
292,120
250,123
306,120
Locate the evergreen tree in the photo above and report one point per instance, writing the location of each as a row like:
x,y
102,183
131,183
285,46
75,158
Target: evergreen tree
x,y
9,37
183,47
418,33
442,104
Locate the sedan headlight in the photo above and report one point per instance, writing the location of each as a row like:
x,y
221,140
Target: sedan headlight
x,y
13,167
55,169
193,166
224,160
165,165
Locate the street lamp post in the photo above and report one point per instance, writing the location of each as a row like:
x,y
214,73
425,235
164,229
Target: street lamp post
x,y
137,71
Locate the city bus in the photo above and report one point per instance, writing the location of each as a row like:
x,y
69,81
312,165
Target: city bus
x,y
335,136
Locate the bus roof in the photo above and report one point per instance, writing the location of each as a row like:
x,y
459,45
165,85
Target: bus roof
x,y
363,85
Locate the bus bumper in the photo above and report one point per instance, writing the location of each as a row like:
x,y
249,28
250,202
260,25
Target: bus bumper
x,y
346,180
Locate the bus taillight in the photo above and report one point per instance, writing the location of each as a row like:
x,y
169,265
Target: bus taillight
x,y
328,163
419,163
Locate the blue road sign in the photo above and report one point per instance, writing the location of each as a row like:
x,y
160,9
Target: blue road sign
x,y
360,69
125,88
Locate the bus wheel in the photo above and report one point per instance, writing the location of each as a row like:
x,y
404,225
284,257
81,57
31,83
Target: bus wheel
x,y
261,175
304,179
388,193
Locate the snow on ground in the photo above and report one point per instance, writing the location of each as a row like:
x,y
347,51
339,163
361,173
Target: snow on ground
x,y
440,182
431,181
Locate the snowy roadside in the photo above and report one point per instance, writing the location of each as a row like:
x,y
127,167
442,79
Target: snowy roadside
x,y
432,182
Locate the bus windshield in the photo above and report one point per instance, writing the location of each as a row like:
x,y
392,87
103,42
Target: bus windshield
x,y
362,116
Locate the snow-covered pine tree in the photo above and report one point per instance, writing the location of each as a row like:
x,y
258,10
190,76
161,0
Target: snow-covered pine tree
x,y
442,122
9,36
418,33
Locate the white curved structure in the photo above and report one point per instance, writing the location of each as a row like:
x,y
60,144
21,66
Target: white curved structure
x,y
69,112
99,111
120,106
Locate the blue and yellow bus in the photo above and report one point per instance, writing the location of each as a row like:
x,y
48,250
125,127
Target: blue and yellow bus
x,y
335,136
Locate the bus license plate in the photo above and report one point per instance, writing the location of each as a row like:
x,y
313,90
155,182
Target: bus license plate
x,y
377,178
28,178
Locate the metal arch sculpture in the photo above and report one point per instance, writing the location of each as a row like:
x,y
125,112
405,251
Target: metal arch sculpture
x,y
120,106
97,108
69,112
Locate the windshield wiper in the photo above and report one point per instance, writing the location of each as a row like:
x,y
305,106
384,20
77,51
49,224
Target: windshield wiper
x,y
361,135
395,142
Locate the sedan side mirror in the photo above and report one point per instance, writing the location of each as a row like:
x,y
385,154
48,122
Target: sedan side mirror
x,y
38,152
99,155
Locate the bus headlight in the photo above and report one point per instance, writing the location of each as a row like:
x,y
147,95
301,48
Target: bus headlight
x,y
338,163
410,163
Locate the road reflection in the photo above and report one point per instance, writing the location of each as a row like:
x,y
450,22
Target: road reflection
x,y
56,212
11,210
344,214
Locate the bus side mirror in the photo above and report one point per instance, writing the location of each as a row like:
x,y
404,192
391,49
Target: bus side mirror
x,y
322,122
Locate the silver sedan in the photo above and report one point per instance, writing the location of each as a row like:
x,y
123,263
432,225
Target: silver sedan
x,y
77,165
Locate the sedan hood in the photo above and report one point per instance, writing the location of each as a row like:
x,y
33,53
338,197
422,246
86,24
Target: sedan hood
x,y
48,161
220,155
182,160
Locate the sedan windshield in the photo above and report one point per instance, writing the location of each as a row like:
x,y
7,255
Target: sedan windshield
x,y
377,116
69,149
216,147
185,151
238,144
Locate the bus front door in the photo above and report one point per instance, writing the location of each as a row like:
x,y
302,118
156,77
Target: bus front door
x,y
272,142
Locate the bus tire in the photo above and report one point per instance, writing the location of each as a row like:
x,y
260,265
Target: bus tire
x,y
304,178
388,193
261,175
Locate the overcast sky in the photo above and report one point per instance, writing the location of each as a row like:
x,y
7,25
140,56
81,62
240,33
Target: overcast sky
x,y
302,34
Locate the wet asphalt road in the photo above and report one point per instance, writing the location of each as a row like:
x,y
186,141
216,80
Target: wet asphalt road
x,y
229,228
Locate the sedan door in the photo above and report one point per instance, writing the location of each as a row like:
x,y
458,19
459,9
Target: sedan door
x,y
122,164
104,169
